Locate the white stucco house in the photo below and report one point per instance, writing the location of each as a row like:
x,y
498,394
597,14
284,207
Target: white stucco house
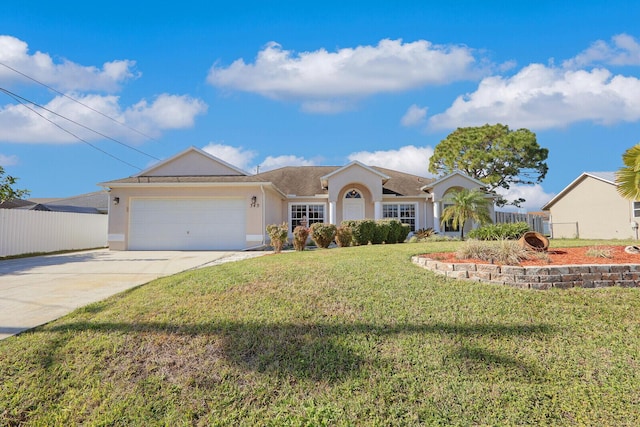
x,y
196,201
590,207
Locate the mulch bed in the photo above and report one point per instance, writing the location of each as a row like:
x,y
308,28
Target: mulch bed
x,y
556,256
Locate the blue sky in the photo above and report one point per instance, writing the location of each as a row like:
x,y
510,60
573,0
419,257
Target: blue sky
x,y
269,84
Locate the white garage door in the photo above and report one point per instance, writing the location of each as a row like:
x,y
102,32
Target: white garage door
x,y
187,224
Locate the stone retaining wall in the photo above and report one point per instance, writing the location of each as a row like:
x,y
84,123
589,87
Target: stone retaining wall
x,y
561,276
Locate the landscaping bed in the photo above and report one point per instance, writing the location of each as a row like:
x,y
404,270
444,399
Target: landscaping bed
x,y
558,256
586,267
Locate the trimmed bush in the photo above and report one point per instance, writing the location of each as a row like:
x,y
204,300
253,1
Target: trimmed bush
x,y
508,231
395,231
362,230
323,234
381,232
279,236
405,229
300,235
343,236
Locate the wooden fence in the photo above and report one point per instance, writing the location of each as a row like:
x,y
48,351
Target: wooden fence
x,y
24,231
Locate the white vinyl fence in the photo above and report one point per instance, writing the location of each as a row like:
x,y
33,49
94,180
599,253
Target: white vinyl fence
x,y
536,222
23,231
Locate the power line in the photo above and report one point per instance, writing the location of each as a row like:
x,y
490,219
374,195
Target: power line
x,y
68,131
16,97
77,101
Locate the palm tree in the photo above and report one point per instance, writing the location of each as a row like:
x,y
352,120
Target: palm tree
x,y
628,177
466,204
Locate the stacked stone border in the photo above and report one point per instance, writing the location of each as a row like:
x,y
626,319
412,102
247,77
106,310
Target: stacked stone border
x,y
560,276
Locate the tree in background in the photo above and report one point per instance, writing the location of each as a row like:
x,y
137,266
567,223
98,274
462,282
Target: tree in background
x,y
465,204
628,176
7,192
493,154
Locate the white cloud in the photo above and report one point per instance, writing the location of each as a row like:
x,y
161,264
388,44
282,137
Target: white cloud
x,y
409,159
415,116
20,124
623,50
319,76
237,156
271,162
65,75
166,112
542,97
534,195
8,160
244,159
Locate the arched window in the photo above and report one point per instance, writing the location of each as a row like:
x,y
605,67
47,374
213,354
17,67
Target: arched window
x,y
353,194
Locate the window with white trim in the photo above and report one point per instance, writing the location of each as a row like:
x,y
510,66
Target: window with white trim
x,y
403,212
636,209
306,214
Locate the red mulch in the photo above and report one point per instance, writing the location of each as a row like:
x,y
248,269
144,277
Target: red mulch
x,y
556,256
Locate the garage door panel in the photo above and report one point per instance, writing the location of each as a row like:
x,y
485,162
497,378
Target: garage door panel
x,y
187,224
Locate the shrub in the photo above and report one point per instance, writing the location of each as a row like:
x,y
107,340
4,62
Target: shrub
x,y
300,235
343,236
509,231
424,233
508,252
279,236
405,229
323,234
381,232
395,231
362,230
599,252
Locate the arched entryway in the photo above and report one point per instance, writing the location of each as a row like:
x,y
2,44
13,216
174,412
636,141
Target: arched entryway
x,y
353,205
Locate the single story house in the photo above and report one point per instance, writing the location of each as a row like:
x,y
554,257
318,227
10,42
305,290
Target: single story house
x,y
196,201
591,208
96,202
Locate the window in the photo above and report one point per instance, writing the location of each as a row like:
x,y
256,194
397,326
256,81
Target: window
x,y
403,212
306,214
448,226
636,209
353,194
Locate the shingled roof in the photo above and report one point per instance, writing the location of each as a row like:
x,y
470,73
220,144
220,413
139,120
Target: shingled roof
x,y
296,180
305,180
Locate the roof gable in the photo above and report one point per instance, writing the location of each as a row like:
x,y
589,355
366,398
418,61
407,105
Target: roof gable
x,y
607,177
354,164
192,162
452,175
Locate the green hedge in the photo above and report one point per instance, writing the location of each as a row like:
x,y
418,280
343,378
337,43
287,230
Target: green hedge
x,y
362,230
367,231
503,231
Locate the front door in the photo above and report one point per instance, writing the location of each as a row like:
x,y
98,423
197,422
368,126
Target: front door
x,y
352,206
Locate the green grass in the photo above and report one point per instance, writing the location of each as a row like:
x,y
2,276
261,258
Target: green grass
x,y
346,336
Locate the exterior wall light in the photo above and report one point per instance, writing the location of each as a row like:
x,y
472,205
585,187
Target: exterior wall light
x,y
254,201
116,200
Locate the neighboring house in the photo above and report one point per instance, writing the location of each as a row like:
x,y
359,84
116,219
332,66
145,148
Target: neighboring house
x,y
91,203
195,201
95,202
591,208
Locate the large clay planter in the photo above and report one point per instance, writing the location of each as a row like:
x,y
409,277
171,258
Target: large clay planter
x,y
534,241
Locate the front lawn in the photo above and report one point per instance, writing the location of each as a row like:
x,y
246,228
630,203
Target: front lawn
x,y
346,336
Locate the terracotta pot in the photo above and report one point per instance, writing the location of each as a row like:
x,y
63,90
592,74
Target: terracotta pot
x,y
534,241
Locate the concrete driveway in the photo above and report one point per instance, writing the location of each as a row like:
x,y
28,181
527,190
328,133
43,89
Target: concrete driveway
x,y
37,290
